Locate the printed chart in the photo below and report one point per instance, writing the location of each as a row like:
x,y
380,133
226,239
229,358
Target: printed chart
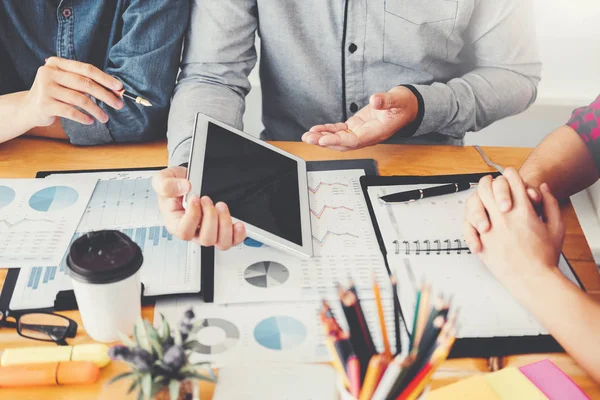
x,y
290,332
38,219
168,268
344,244
121,204
280,333
266,274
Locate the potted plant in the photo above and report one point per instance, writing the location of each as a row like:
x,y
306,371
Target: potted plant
x,y
160,360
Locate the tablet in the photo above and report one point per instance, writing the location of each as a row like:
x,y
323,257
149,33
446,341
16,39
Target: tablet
x,y
265,188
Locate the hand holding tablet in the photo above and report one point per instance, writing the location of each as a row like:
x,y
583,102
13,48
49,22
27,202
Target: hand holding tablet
x,y
203,222
265,188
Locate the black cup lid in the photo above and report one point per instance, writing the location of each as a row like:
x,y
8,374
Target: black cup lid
x,y
104,257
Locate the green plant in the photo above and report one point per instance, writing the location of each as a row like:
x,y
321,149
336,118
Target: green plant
x,y
159,358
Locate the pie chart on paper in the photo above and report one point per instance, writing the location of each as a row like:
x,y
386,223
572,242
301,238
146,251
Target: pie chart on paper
x,y
53,198
266,274
280,333
7,195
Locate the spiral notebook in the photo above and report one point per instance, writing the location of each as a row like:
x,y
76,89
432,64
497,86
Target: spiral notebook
x,y
422,242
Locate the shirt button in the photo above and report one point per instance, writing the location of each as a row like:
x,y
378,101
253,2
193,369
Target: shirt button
x,y
354,107
66,13
352,48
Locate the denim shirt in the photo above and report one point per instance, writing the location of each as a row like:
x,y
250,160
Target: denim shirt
x,y
472,62
137,41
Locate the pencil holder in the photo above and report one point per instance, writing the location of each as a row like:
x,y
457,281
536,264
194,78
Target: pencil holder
x,y
345,395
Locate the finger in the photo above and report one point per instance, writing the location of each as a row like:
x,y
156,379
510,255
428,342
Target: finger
x,y
340,148
210,223
170,204
340,126
386,101
87,85
472,238
87,70
552,213
168,183
80,100
187,226
486,194
60,109
501,190
517,188
312,137
342,138
239,233
476,215
224,236
534,195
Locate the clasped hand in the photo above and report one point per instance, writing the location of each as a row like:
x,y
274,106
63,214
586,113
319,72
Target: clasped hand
x,y
504,229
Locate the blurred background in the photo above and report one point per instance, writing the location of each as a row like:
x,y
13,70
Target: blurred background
x,y
569,44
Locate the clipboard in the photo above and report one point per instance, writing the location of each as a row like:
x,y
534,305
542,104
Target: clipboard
x,y
498,346
65,300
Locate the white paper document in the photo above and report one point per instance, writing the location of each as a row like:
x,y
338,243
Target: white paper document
x,y
284,332
277,381
124,201
345,247
38,219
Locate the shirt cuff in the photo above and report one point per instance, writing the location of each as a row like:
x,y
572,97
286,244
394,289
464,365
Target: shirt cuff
x,y
410,129
435,108
86,135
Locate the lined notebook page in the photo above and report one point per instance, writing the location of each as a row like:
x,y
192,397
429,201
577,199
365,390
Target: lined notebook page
x,y
434,219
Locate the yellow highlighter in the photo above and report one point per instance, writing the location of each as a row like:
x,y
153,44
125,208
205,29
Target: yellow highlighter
x,y
96,353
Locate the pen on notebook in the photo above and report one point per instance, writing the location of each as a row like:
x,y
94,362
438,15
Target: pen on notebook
x,y
417,194
124,94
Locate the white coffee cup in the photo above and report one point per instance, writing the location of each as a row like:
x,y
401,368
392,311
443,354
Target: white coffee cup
x,y
105,271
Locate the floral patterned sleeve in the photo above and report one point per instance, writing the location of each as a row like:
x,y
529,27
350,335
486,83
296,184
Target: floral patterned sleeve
x,y
586,122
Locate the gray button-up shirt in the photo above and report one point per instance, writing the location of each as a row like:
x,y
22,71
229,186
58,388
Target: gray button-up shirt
x,y
472,61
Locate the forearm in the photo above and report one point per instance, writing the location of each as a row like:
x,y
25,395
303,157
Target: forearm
x,y
563,161
571,316
476,100
17,121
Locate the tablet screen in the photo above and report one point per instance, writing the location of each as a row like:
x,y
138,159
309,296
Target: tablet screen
x,y
260,186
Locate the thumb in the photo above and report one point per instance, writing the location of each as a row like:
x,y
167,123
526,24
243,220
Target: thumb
x,y
386,101
552,214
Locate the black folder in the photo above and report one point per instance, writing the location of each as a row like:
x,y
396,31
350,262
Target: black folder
x,y
465,347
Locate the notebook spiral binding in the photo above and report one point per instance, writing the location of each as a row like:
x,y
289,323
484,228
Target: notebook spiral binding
x,y
448,246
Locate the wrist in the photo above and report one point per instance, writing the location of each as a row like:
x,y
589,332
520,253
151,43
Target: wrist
x,y
24,114
527,286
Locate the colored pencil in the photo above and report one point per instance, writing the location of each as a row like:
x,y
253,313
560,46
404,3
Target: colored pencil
x,y
354,375
382,326
396,315
375,371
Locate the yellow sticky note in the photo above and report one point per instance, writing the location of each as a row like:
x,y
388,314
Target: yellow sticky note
x,y
511,384
474,388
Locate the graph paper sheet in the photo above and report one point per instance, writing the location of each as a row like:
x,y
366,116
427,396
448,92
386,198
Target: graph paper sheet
x,y
345,246
126,202
38,219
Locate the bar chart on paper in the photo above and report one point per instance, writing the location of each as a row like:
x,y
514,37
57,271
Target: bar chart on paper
x,y
167,269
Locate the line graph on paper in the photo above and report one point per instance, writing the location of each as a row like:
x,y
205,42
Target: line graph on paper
x,y
340,221
121,203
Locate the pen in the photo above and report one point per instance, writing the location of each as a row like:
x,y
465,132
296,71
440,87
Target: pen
x,y
130,96
418,194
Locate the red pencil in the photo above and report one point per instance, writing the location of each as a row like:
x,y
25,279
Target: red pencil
x,y
353,368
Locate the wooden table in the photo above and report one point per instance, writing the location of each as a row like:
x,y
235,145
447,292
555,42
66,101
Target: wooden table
x,y
22,158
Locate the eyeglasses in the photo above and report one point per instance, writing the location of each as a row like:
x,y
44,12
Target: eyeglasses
x,y
46,327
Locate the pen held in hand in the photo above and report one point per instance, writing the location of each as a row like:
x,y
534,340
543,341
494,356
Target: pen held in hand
x,y
124,94
418,194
